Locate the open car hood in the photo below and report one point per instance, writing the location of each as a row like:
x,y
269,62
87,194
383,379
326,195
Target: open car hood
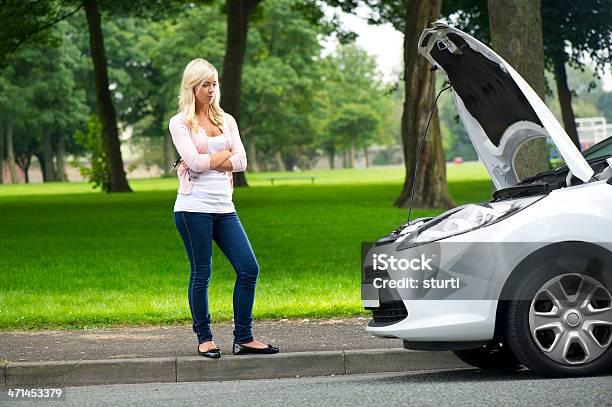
x,y
497,106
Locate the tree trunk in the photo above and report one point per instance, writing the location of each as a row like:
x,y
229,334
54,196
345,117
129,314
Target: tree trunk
x,y
280,164
42,162
352,154
366,156
48,171
1,154
252,154
169,154
565,101
516,35
23,162
289,161
60,155
238,12
431,189
117,181
332,157
10,154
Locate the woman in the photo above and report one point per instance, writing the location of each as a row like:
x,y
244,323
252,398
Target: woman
x,y
208,141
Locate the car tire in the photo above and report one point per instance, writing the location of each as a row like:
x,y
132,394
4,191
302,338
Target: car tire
x,y
561,333
494,355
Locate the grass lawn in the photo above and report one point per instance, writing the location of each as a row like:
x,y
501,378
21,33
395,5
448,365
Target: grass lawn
x,y
73,258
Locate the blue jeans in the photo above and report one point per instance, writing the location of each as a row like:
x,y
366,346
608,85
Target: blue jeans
x,y
198,231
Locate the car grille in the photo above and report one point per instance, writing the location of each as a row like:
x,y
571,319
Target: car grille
x,y
388,313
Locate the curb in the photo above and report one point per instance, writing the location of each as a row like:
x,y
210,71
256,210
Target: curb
x,y
229,367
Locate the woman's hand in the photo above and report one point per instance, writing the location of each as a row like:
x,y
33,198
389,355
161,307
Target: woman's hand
x,y
225,154
217,159
225,166
224,163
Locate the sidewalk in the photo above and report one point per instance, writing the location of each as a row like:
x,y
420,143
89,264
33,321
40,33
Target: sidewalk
x,y
168,353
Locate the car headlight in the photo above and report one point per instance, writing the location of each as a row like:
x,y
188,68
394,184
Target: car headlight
x,y
464,219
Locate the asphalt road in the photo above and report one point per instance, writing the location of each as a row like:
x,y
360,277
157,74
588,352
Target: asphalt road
x,y
451,387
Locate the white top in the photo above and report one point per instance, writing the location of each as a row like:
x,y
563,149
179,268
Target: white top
x,y
212,191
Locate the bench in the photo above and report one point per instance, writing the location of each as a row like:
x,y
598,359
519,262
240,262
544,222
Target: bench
x,y
312,179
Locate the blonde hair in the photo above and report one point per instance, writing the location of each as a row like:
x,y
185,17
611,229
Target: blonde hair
x,y
196,73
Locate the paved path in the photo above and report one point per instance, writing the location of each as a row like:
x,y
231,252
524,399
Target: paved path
x,y
60,358
302,335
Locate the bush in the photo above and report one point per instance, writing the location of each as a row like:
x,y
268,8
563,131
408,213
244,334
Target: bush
x,y
93,142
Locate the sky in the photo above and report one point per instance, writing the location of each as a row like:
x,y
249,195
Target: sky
x,y
386,44
370,37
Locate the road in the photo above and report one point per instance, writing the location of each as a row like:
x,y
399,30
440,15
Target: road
x,y
450,387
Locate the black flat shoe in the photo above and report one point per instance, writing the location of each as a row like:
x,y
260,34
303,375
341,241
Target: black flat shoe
x,y
239,349
214,353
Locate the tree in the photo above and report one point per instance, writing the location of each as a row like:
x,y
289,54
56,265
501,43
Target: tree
x,y
571,31
587,27
26,145
238,13
44,102
455,138
9,104
516,35
282,113
355,124
587,93
299,20
604,103
411,18
2,148
355,102
57,102
10,153
283,67
117,181
44,14
431,190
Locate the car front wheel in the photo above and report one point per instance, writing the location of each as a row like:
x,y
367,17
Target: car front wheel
x,y
559,323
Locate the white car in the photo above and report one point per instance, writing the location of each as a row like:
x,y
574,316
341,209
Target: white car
x,y
523,279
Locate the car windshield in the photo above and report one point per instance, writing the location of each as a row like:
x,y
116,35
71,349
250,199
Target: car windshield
x,y
593,155
601,149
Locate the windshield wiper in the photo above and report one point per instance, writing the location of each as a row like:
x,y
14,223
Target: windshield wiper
x,y
560,171
521,191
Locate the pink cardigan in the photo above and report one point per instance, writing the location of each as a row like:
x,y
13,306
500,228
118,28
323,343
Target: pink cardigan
x,y
192,148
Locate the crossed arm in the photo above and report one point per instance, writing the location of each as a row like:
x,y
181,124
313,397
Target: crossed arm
x,y
225,165
218,161
222,161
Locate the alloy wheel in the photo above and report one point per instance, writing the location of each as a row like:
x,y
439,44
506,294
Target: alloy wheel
x,y
570,319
